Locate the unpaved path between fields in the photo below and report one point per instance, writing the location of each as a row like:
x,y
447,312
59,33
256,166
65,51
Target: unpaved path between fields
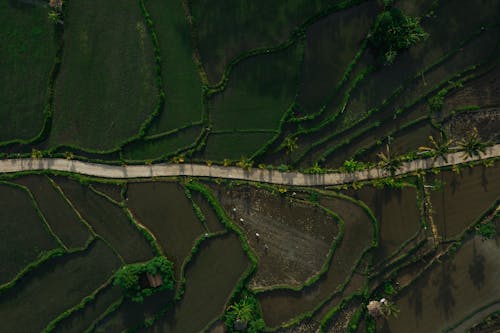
x,y
254,174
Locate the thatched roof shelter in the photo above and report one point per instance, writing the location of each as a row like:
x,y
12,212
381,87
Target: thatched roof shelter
x,y
374,308
154,280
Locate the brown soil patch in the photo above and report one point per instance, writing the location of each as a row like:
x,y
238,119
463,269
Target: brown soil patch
x,y
487,121
293,239
483,91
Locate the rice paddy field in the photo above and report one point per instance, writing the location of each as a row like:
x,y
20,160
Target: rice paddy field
x,y
297,85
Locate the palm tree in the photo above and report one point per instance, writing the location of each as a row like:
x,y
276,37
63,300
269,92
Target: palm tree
x,y
472,144
438,148
290,144
54,16
242,312
389,309
388,162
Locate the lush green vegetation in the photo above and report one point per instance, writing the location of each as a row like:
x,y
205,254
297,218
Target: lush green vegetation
x,y
179,72
128,278
393,33
106,87
244,315
29,46
259,91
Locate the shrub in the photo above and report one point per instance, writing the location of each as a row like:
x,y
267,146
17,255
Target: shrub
x,y
393,33
245,311
487,230
129,277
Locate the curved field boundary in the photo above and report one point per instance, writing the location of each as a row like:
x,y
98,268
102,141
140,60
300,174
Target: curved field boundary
x,y
252,174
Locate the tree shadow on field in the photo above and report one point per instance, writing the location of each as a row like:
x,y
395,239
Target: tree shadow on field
x,y
445,299
477,268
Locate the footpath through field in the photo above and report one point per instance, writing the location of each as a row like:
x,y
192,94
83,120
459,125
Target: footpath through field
x,y
254,174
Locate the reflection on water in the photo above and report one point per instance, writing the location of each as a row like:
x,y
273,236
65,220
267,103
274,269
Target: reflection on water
x,y
451,290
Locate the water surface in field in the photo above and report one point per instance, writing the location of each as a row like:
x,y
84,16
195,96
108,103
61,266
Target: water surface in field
x,y
451,290
463,197
210,279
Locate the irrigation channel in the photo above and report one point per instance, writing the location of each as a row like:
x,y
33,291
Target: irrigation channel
x,y
232,172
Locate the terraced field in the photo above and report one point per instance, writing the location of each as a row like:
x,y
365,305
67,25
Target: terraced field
x,y
290,165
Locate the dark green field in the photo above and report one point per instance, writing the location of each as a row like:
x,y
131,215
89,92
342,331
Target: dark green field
x,y
28,48
106,86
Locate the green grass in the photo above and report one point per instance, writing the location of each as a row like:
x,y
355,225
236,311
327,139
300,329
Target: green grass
x,y
228,28
234,145
106,87
151,149
108,221
259,91
55,287
27,50
181,81
23,235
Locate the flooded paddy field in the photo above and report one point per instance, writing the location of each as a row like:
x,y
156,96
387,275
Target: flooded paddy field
x,y
209,284
315,252
169,215
58,213
24,235
54,287
451,290
397,213
463,197
105,217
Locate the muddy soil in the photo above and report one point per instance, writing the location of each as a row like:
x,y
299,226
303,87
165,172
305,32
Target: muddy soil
x,y
291,239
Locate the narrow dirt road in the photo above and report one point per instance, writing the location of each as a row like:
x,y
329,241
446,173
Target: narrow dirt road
x,y
200,170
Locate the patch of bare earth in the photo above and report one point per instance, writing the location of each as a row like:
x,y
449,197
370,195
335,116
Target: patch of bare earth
x,y
484,93
291,239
